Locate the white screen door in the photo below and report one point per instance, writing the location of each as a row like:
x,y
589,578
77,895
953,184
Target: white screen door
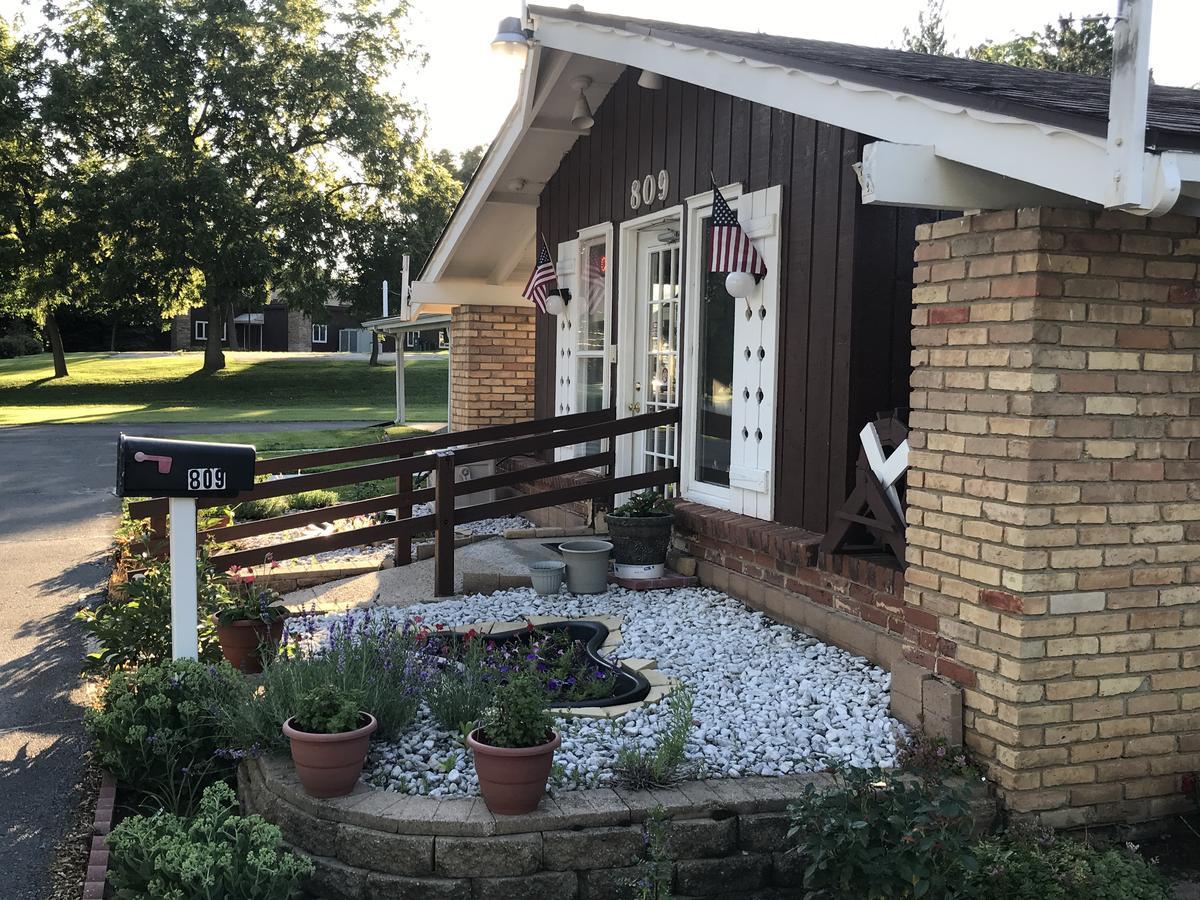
x,y
656,331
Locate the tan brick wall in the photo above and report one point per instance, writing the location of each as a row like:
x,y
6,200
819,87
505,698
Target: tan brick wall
x,y
491,377
1053,504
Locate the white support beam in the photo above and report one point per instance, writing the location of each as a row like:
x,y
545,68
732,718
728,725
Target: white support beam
x,y
468,292
513,198
508,263
1129,89
913,175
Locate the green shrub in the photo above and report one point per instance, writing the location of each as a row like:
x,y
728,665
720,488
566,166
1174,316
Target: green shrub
x,y
327,710
361,653
461,690
875,835
647,503
519,715
162,729
1024,864
640,770
253,510
14,345
136,630
216,855
933,757
312,500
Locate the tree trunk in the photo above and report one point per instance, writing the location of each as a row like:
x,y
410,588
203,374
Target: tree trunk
x,y
374,350
56,346
112,341
233,338
214,359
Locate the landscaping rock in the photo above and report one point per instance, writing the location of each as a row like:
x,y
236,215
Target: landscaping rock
x,y
542,886
595,848
396,854
709,877
509,854
698,838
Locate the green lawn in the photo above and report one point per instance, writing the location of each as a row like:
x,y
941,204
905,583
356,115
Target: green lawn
x,y
117,387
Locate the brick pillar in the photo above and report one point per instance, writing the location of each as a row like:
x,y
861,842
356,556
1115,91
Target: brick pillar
x,y
491,374
1054,509
181,332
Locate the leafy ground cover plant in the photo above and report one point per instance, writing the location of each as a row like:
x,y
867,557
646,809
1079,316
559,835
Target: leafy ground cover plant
x,y
639,769
933,757
327,710
215,854
362,653
135,629
1027,863
519,715
876,835
161,729
654,870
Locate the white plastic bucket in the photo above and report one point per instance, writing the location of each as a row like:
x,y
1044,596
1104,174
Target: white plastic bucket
x,y
547,577
587,565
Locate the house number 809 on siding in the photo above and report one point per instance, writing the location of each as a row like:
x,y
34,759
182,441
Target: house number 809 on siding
x,y
647,190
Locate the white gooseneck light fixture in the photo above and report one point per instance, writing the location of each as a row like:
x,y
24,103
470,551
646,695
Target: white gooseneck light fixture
x,y
581,116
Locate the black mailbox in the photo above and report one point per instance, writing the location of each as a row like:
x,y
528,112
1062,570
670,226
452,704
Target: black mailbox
x,y
154,467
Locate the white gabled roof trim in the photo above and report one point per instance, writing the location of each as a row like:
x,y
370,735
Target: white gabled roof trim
x,y
1053,157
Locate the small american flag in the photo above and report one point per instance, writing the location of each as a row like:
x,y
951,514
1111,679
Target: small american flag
x,y
541,279
731,250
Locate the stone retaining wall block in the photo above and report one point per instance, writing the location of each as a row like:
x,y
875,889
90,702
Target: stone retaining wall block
x,y
510,854
540,886
395,854
709,877
696,838
595,848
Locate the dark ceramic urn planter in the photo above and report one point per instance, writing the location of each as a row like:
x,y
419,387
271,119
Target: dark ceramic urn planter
x,y
512,779
640,544
328,765
242,642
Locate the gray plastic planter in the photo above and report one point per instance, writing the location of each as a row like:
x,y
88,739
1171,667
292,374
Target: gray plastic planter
x,y
587,565
547,577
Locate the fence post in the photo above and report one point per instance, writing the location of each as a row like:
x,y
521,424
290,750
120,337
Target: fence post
x,y
403,552
443,546
156,537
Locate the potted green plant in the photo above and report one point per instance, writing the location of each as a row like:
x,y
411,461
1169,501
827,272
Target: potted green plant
x,y
329,734
640,532
249,621
514,748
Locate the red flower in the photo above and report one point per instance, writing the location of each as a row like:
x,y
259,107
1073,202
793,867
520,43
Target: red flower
x,y
417,620
472,633
248,579
439,626
528,625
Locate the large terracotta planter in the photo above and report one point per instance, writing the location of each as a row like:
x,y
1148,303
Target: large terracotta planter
x,y
242,642
329,764
512,779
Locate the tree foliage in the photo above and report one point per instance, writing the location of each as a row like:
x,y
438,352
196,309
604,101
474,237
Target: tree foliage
x,y
226,149
930,34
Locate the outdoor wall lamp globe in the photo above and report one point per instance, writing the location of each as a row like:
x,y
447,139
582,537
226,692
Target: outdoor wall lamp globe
x,y
740,284
581,115
511,39
556,301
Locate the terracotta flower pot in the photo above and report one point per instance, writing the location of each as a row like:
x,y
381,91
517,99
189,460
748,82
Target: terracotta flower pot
x,y
329,764
241,642
512,779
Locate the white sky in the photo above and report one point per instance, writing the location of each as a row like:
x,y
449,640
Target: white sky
x,y
467,90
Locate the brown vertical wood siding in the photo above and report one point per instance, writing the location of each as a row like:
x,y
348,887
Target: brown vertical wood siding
x,y
847,272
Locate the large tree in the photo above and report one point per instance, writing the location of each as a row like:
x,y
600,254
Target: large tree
x,y
232,139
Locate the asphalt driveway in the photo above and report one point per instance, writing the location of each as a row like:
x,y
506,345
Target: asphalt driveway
x,y
57,515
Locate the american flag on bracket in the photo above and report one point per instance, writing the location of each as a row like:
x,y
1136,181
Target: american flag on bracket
x,y
541,279
731,250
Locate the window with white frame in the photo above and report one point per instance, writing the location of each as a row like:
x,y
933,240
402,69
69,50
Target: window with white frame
x,y
410,339
731,364
320,334
201,330
583,362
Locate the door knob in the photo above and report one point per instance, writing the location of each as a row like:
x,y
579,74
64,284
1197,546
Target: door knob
x,y
635,407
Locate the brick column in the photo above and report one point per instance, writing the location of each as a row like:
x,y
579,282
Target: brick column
x,y
491,373
1054,510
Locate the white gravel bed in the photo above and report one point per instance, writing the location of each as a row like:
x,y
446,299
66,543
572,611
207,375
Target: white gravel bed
x,y
769,700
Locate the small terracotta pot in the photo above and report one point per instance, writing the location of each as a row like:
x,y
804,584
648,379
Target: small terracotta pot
x,y
329,764
242,641
512,779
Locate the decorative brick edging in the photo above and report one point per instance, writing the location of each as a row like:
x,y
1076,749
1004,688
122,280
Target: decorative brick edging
x,y
725,836
97,864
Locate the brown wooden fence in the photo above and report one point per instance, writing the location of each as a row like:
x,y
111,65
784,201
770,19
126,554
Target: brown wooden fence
x,y
408,458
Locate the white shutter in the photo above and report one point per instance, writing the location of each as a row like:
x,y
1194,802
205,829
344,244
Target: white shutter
x,y
756,364
564,363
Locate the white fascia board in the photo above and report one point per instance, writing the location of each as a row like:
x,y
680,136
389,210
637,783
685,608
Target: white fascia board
x,y
467,292
1049,156
909,175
